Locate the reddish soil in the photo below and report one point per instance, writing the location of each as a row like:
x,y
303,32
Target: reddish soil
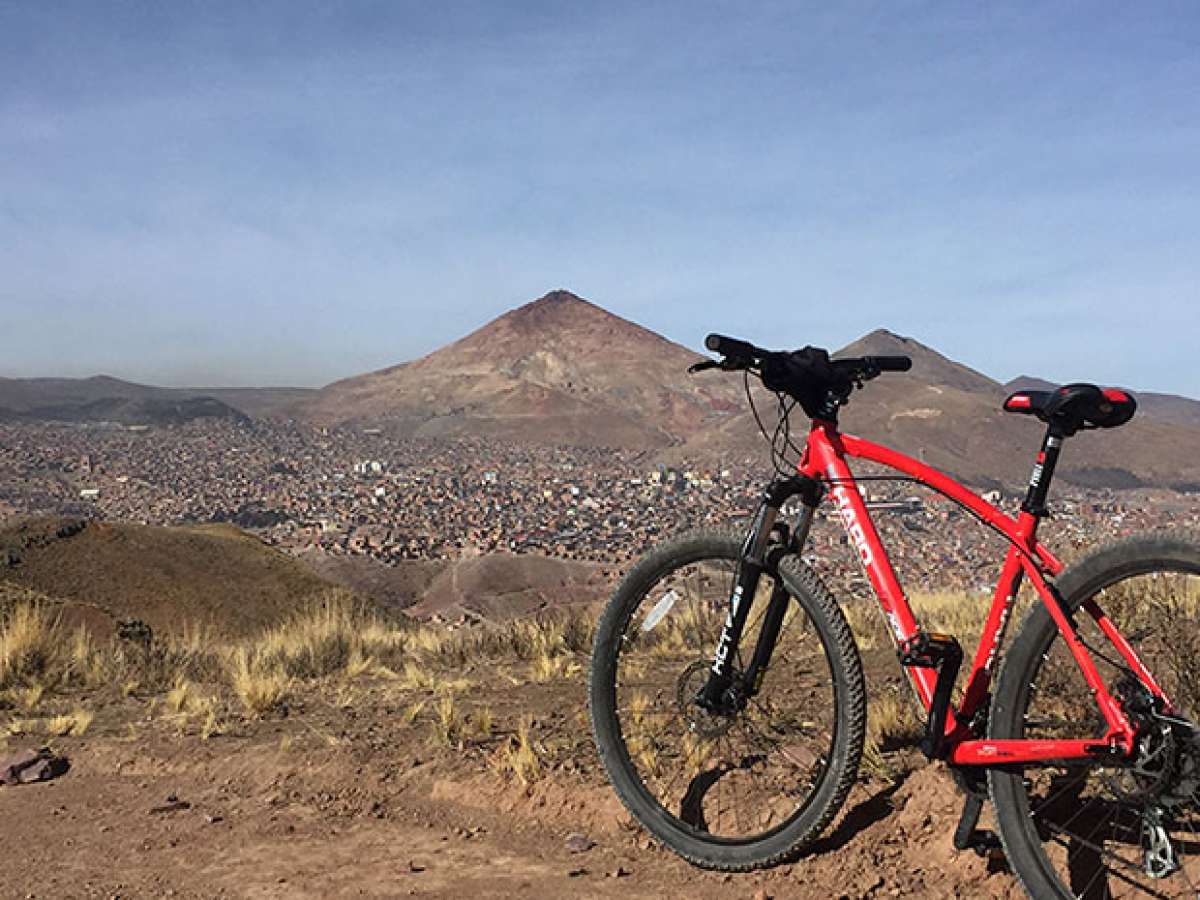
x,y
344,800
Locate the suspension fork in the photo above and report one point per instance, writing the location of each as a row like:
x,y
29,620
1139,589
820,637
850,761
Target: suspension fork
x,y
758,556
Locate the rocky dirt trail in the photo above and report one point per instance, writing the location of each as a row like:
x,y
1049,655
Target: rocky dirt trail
x,y
258,815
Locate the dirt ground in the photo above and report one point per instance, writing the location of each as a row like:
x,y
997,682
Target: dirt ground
x,y
344,798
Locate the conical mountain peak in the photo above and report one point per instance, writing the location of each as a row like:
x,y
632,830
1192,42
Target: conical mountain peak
x,y
558,309
929,365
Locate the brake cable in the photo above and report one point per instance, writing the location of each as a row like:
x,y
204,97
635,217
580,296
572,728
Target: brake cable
x,y
783,466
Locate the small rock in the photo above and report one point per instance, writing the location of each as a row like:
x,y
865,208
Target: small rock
x,y
579,843
170,807
415,867
577,873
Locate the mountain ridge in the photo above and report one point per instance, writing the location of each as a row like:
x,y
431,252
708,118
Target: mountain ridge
x,y
559,368
563,370
106,398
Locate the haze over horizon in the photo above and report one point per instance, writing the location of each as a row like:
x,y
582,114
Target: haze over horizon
x,y
284,193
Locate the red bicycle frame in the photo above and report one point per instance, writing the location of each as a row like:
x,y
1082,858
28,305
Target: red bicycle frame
x,y
824,460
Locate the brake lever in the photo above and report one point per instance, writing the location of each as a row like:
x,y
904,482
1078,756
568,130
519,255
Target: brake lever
x,y
728,364
867,373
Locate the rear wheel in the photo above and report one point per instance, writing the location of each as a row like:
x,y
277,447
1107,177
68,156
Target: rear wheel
x,y
745,788
1110,830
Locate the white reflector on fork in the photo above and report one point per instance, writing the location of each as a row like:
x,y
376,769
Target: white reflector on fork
x,y
660,610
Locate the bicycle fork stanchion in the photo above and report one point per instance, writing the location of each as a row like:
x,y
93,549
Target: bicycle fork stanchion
x,y
778,608
714,696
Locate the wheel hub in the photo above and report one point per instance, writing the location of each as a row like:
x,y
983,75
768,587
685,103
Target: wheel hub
x,y
703,722
1164,774
1152,769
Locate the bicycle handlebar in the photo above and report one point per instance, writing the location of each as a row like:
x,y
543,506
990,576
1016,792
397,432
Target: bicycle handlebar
x,y
732,347
735,349
889,363
818,383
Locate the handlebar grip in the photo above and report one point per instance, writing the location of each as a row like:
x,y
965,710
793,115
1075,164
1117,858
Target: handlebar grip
x,y
891,363
728,346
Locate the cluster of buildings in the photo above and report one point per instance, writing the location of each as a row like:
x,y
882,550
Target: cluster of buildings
x,y
363,492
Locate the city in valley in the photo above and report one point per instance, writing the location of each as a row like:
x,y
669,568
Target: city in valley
x,y
364,492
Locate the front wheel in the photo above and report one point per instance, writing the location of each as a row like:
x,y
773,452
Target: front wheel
x,y
743,788
1111,828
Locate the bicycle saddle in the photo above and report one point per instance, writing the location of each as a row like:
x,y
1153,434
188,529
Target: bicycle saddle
x,y
1075,406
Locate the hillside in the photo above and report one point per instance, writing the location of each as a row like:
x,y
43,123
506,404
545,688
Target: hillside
x,y
130,411
496,586
503,586
557,370
103,398
213,575
950,416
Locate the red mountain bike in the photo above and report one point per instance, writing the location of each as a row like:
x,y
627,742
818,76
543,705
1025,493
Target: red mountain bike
x,y
727,692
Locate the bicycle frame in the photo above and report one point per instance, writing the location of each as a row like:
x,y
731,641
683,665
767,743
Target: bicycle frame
x,y
825,460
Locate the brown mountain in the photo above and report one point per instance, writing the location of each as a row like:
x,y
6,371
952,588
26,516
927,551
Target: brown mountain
x,y
104,398
557,370
950,416
562,370
941,412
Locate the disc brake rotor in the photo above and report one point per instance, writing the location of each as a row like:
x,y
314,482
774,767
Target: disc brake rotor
x,y
700,721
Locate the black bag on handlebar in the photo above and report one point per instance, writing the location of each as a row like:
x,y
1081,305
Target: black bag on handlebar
x,y
806,376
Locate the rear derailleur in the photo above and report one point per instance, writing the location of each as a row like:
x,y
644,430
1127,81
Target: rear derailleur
x,y
1164,774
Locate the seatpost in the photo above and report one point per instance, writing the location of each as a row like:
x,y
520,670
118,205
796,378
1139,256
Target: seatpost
x,y
1043,472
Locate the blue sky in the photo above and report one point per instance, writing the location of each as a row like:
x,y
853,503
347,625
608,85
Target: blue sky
x,y
287,193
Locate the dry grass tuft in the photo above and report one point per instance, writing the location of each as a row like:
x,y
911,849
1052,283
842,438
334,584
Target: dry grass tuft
x,y
209,726
875,764
892,720
412,711
521,756
447,723
417,677
547,667
87,664
73,724
28,698
951,612
260,685
31,645
20,727
332,635
359,664
182,697
481,723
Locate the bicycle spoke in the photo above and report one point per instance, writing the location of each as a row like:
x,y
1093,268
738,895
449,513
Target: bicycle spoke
x,y
732,772
1107,822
